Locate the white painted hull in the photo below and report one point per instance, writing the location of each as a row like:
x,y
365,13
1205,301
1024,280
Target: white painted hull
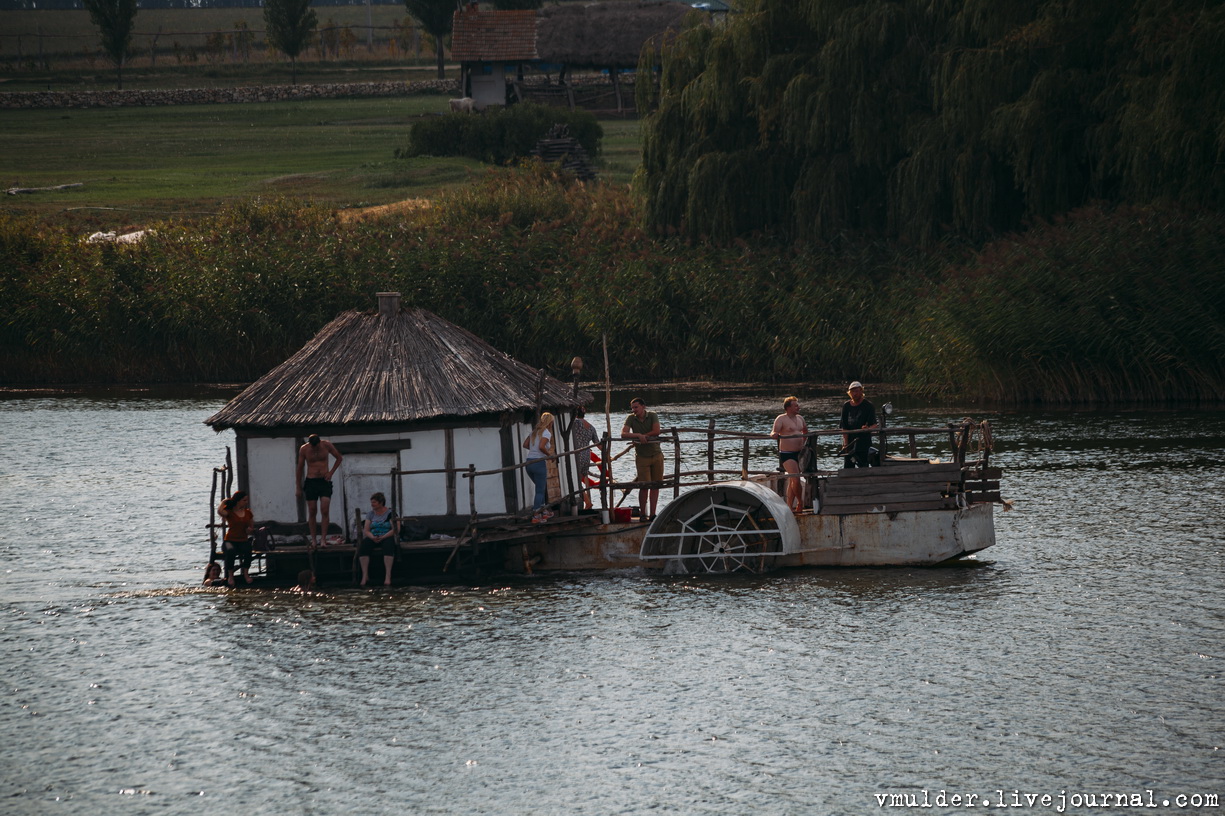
x,y
914,538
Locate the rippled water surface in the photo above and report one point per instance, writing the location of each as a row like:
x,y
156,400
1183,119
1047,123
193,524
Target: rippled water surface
x,y
1083,654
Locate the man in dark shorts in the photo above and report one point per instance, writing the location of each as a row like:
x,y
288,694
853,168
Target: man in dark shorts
x,y
790,430
315,484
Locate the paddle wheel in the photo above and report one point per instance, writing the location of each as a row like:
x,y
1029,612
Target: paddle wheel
x,y
722,528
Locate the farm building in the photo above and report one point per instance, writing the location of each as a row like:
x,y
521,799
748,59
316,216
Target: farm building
x,y
496,48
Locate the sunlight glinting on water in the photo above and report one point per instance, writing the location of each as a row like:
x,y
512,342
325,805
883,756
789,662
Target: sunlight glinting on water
x,y
1082,652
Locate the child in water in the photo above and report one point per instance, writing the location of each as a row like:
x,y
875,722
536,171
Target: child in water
x,y
306,581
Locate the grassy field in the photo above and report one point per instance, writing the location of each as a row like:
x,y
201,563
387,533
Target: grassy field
x,y
143,164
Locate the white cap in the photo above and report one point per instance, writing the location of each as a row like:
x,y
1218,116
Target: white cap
x,y
856,384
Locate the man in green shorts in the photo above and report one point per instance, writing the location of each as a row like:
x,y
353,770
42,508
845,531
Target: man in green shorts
x,y
642,428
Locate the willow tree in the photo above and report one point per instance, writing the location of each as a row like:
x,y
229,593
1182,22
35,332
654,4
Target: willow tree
x,y
290,24
920,118
114,19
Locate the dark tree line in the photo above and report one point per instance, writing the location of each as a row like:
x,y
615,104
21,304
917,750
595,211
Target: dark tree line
x,y
918,119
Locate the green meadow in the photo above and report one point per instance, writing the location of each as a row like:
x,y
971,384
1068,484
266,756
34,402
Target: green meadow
x,y
140,164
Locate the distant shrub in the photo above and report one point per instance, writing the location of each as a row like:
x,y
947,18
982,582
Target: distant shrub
x,y
501,134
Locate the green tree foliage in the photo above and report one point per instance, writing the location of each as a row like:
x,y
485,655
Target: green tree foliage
x,y
922,118
501,134
1105,304
289,25
114,19
435,17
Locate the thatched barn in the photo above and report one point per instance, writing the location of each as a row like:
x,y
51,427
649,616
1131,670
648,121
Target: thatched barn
x,y
393,388
607,36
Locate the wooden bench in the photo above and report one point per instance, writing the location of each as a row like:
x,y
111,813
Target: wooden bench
x,y
893,487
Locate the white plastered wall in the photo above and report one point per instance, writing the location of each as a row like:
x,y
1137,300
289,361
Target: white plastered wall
x,y
270,478
488,89
271,472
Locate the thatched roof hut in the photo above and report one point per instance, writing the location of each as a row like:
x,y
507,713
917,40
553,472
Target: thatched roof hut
x,y
390,366
394,389
605,35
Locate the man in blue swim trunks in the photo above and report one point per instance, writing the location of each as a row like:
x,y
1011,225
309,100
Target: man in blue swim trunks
x,y
315,484
790,430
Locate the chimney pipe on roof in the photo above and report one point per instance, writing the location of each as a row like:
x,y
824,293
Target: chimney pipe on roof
x,y
389,303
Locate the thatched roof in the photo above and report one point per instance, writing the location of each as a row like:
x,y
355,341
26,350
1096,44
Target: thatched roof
x,y
400,366
604,35
583,35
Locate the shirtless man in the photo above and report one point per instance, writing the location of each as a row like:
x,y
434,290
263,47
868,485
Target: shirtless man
x,y
790,429
315,483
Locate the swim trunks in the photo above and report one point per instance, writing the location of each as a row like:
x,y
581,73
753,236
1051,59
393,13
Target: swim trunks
x,y
317,488
785,456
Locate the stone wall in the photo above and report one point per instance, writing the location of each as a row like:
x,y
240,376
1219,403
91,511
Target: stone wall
x,y
210,96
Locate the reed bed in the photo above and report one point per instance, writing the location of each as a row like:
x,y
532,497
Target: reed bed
x,y
1122,305
1104,305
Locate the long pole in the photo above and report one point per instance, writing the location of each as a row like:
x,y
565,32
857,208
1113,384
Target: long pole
x,y
607,391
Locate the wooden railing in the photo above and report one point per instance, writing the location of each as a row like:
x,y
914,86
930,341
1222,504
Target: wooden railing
x,y
959,435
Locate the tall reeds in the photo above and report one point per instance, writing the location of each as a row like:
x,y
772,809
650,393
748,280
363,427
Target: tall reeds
x,y
1102,305
1122,305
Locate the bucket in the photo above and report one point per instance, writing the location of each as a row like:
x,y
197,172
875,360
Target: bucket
x,y
621,515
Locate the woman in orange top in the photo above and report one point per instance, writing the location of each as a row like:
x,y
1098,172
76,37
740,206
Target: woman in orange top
x,y
236,510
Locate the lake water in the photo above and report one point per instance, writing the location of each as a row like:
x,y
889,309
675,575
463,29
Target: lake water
x,y
1081,658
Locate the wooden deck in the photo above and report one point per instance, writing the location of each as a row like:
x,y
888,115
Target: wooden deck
x,y
471,553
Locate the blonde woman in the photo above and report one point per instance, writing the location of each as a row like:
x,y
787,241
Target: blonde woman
x,y
539,445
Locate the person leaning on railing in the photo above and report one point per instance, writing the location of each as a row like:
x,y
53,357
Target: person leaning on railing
x,y
857,414
642,428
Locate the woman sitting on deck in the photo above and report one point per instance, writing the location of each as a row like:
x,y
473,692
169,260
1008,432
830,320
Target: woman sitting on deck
x,y
539,446
236,510
379,530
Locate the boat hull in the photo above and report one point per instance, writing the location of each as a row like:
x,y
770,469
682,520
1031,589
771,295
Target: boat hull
x,y
887,539
906,538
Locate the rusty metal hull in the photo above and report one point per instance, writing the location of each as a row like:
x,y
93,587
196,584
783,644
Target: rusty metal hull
x,y
606,546
914,538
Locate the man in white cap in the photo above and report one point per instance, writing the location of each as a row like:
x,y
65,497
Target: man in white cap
x,y
857,414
